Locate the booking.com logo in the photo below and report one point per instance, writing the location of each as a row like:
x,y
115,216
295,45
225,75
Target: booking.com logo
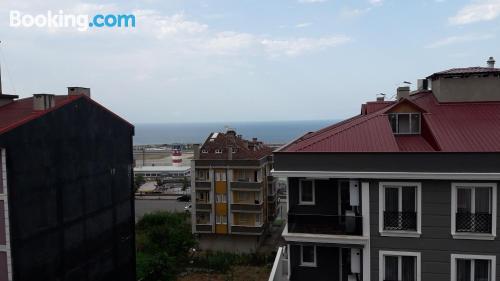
x,y
62,20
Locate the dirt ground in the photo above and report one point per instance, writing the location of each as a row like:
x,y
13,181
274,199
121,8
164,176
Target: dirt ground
x,y
239,273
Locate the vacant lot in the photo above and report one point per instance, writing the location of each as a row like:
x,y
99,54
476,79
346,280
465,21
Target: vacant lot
x,y
238,273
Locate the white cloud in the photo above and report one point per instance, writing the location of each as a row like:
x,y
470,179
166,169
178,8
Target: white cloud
x,y
164,26
298,46
311,1
376,2
229,42
459,39
481,10
354,13
303,24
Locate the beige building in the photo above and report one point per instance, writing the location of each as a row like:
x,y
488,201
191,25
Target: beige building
x,y
234,196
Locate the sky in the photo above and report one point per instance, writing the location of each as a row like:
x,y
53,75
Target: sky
x,y
245,60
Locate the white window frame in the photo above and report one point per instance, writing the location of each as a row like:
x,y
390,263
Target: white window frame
x,y
381,209
474,236
410,114
454,258
313,202
220,198
308,264
383,254
221,219
204,151
218,151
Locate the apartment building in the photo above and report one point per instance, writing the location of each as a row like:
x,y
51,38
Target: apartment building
x,y
405,191
66,196
233,193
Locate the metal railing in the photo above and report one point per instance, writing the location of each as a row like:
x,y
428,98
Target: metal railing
x,y
400,220
325,224
478,222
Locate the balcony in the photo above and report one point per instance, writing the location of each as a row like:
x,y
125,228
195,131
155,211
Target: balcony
x,y
203,206
247,229
246,185
325,224
203,184
203,228
475,223
400,221
279,271
247,207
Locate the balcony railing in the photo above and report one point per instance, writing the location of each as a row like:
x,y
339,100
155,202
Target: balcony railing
x,y
247,229
203,206
247,207
279,271
203,228
246,185
325,224
468,222
400,221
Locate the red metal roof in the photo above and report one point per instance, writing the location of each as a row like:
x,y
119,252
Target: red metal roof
x,y
450,127
19,112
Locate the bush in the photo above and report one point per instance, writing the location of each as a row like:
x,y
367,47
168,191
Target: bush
x,y
163,241
223,261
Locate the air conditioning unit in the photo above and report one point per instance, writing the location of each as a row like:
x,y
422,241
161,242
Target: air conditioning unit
x,y
355,260
354,192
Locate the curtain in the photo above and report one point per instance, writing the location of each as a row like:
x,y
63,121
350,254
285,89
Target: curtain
x,y
408,267
481,270
464,197
391,268
391,199
463,270
409,198
483,200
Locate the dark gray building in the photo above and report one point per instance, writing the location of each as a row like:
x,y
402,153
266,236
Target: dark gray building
x,y
66,197
405,191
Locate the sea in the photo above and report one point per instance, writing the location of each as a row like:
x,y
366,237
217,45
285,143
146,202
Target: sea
x,y
278,132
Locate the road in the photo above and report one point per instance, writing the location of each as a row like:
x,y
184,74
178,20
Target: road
x,y
144,206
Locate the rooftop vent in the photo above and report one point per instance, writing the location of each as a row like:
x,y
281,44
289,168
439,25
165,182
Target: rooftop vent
x,y
43,101
75,91
491,62
422,84
381,97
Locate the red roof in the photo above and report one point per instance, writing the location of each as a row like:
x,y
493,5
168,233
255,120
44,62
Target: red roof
x,y
217,147
19,112
447,127
466,70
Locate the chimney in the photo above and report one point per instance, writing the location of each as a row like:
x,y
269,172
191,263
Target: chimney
x,y
75,91
196,151
254,140
403,92
231,132
229,152
491,62
381,97
422,84
43,101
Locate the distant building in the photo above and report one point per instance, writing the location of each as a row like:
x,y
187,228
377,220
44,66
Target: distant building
x,y
234,197
406,190
154,172
66,205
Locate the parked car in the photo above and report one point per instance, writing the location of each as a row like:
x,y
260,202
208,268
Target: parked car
x,y
184,198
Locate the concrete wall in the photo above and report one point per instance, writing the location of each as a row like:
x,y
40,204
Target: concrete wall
x,y
436,243
467,89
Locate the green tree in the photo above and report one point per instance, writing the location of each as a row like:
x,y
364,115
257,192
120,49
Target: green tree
x,y
185,183
163,243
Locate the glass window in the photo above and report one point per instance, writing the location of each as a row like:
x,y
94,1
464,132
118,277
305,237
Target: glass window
x,y
473,270
473,209
405,123
400,211
402,268
306,192
308,255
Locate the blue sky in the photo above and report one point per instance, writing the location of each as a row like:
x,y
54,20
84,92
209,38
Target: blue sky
x,y
192,61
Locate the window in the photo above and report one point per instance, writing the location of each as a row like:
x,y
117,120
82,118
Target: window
x,y
202,174
218,151
306,192
204,151
400,209
307,255
221,219
399,266
473,212
220,198
405,123
258,219
220,175
473,268
203,197
202,218
234,150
